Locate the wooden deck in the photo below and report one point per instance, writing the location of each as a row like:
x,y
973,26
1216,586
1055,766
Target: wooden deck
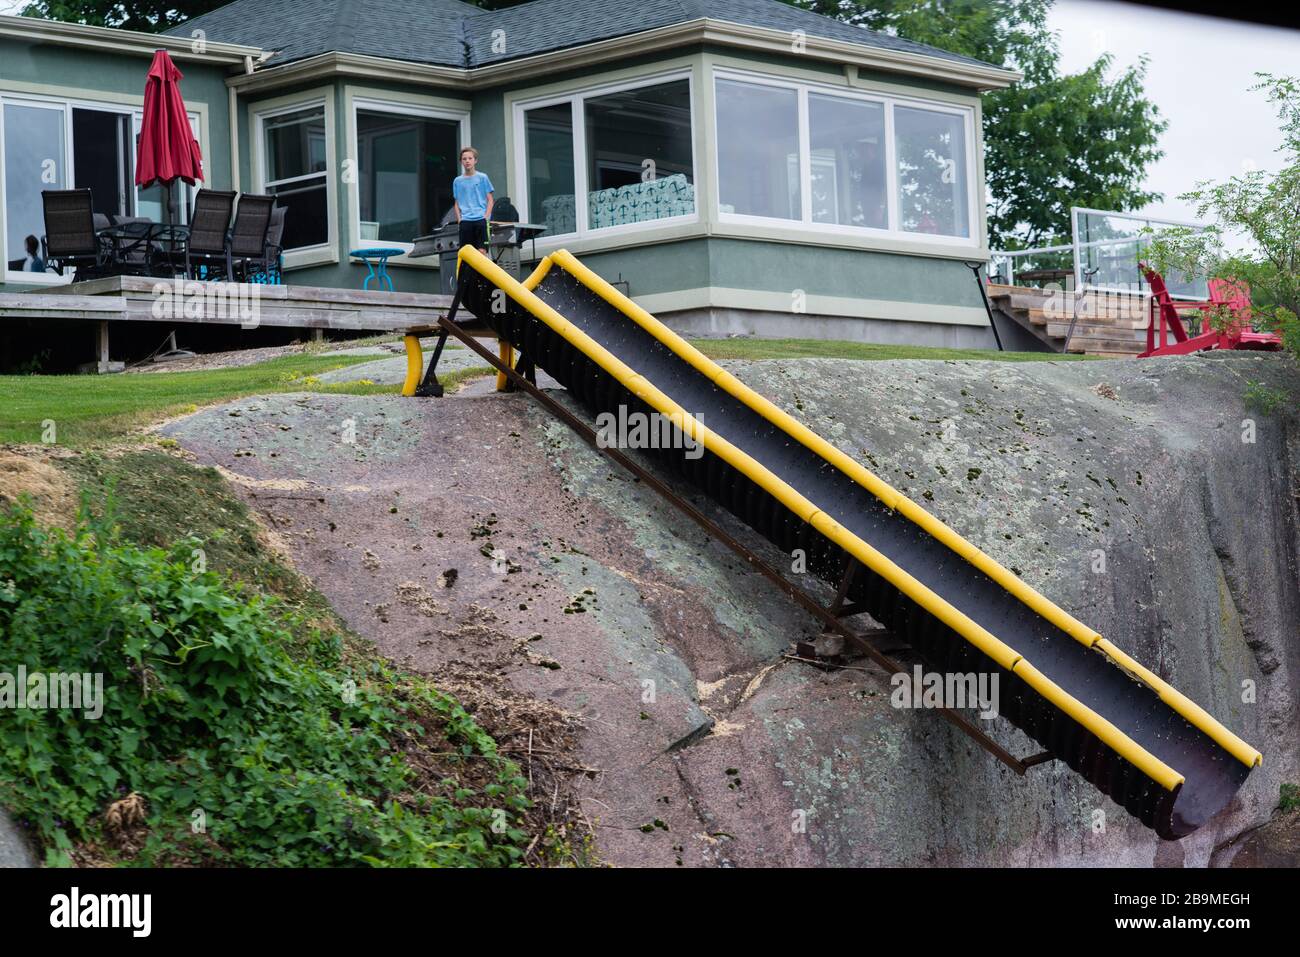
x,y
250,306
141,299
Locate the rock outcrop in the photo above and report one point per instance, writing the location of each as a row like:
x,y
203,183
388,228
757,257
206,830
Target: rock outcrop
x,y
1141,496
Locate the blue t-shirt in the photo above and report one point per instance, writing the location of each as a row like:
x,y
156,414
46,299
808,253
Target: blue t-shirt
x,y
471,193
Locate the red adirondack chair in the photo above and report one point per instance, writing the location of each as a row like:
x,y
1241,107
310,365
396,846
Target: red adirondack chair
x,y
1234,297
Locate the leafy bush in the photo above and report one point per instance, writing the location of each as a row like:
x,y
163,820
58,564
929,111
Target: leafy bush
x,y
293,762
1261,398
1289,799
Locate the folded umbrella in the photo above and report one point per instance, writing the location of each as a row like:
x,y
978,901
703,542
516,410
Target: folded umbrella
x,y
168,150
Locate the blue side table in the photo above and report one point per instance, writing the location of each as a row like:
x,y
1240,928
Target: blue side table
x,y
376,258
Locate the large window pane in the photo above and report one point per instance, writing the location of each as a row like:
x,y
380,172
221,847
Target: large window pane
x,y
932,188
405,167
295,145
296,164
639,162
548,135
34,161
758,150
849,184
306,220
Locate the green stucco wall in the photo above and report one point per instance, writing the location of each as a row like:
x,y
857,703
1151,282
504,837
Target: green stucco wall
x,y
785,267
658,268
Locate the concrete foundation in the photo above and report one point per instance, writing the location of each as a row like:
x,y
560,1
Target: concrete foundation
x,y
715,321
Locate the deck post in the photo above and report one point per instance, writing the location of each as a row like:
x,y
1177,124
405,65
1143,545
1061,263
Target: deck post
x,y
102,340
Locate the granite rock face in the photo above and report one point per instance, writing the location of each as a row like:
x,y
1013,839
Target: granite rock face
x,y
1145,499
1141,496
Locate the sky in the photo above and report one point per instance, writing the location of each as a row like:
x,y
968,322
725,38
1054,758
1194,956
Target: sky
x,y
1200,73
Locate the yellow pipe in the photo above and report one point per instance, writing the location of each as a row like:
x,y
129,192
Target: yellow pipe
x,y
997,650
506,353
414,365
1146,762
1184,705
895,500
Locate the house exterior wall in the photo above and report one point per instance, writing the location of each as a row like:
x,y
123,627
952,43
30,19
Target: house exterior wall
x,y
706,273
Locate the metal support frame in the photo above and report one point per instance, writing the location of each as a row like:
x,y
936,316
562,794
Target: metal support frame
x,y
1079,293
988,306
831,618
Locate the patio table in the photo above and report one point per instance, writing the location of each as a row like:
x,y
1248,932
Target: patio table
x,y
376,260
169,239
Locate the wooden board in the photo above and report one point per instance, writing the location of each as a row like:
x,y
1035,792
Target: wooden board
x,y
142,299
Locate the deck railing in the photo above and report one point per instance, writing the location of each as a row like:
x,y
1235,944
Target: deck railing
x,y
1104,253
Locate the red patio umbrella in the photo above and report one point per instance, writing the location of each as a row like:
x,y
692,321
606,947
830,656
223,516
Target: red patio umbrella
x,y
168,151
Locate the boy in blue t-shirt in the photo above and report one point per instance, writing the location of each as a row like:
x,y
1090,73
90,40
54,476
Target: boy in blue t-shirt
x,y
474,199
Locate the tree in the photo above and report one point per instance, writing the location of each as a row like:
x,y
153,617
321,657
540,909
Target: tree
x,y
1260,207
145,16
1051,141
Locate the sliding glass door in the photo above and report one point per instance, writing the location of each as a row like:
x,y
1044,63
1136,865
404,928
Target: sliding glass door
x,y
102,159
35,159
50,144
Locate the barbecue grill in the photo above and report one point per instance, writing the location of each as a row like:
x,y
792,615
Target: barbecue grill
x,y
507,239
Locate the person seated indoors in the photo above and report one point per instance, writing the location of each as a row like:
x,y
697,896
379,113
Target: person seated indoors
x,y
33,261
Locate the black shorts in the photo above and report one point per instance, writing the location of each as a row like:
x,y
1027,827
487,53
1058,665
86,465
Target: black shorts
x,y
473,232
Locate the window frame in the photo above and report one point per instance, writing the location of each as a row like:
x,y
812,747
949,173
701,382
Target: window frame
x,y
361,102
888,101
581,187
260,113
66,105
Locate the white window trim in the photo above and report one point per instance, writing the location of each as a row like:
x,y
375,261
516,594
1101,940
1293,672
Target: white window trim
x,y
889,101
580,185
328,251
378,104
66,104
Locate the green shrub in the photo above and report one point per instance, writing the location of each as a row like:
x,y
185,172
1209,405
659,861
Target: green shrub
x,y
1289,799
294,760
1262,398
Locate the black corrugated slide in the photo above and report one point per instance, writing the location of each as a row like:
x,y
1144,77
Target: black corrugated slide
x,y
1122,727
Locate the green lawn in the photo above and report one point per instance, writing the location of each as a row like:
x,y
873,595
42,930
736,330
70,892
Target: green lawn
x,y
92,410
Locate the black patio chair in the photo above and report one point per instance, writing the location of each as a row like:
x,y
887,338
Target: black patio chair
x,y
208,244
248,237
70,240
270,269
275,244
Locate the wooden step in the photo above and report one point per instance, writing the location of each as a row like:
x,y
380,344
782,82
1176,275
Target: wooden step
x,y
1093,347
1089,331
